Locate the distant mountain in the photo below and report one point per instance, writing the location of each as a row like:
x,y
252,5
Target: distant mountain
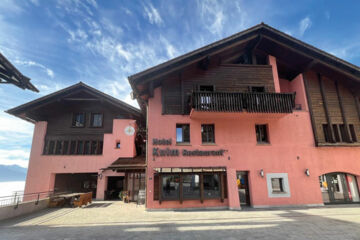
x,y
12,173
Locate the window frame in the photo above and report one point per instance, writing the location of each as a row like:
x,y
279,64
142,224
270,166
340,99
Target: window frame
x,y
267,139
285,184
207,135
92,119
73,120
182,125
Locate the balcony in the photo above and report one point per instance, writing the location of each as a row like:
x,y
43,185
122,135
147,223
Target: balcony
x,y
228,102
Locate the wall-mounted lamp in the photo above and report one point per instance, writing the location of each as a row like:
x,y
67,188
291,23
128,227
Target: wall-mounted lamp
x,y
262,173
307,172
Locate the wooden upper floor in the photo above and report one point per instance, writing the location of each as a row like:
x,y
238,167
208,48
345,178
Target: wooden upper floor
x,y
77,119
260,70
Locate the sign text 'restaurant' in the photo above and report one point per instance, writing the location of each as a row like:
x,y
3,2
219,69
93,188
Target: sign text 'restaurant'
x,y
175,152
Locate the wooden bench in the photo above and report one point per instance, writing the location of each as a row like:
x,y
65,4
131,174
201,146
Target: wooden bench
x,y
84,199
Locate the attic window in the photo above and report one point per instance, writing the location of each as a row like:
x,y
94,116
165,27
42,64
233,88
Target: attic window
x,y
78,120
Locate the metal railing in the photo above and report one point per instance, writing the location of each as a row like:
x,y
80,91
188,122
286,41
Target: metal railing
x,y
237,102
17,198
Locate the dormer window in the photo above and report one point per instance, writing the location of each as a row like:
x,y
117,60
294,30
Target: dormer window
x,y
78,120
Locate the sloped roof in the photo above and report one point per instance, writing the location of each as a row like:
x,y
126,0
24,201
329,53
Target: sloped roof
x,y
9,74
137,162
261,30
20,110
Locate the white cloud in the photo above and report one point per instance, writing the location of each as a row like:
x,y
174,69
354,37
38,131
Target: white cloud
x,y
48,71
152,14
304,25
16,156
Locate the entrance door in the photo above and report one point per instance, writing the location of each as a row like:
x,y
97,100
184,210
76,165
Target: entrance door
x,y
339,188
243,188
114,187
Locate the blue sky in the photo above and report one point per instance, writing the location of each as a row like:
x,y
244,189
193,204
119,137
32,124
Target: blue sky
x,y
59,43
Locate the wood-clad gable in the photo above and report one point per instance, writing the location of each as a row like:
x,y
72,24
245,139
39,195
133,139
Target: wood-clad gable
x,y
336,106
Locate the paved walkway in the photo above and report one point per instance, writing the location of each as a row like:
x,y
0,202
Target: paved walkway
x,y
116,220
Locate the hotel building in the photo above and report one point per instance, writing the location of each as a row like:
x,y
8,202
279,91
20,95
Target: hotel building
x,y
258,118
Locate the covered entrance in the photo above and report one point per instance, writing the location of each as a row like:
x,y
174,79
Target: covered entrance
x,y
243,188
339,188
129,183
77,182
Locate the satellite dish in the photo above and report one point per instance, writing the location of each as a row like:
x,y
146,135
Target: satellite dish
x,y
129,130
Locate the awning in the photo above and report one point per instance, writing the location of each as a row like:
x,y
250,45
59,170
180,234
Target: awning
x,y
190,169
136,163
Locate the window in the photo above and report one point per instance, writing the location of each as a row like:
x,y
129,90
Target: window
x,y
344,135
211,186
191,186
80,148
46,147
117,144
65,147
336,133
51,147
100,148
183,133
78,120
277,185
73,147
261,133
87,147
96,120
352,133
93,147
256,89
170,187
327,133
208,133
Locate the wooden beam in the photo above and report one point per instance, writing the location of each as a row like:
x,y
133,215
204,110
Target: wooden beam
x,y
326,108
170,68
356,99
346,126
313,123
311,57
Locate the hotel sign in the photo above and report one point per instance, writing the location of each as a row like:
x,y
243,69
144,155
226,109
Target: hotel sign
x,y
167,152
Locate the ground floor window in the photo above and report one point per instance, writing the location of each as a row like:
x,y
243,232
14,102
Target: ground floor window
x,y
211,186
170,187
189,186
339,188
278,185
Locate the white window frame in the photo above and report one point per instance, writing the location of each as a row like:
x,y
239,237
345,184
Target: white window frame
x,y
285,181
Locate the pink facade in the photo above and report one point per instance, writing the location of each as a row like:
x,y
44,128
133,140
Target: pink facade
x,y
43,168
291,150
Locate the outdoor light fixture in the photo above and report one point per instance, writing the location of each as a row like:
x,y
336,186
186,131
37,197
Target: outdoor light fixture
x,y
100,176
307,172
262,173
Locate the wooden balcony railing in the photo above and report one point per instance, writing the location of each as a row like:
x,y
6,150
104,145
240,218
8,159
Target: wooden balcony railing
x,y
237,102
